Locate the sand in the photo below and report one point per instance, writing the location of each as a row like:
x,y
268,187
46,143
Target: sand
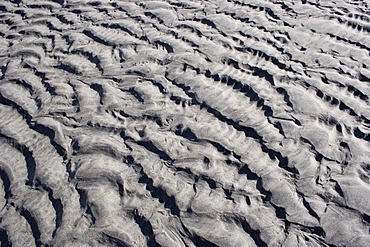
x,y
184,123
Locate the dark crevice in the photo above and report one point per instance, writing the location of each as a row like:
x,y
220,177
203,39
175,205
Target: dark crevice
x,y
263,74
228,194
220,148
267,194
62,19
308,206
30,161
75,100
193,29
283,161
75,146
89,212
338,189
282,91
211,183
278,126
120,189
185,132
159,193
147,144
248,131
206,160
83,197
95,38
363,77
156,192
281,214
254,234
316,230
199,241
4,239
118,26
366,218
3,9
6,183
250,175
318,156
122,133
259,183
248,200
166,46
187,171
360,135
25,85
153,16
344,107
92,58
357,92
158,85
271,13
99,89
84,205
50,133
3,71
71,172
207,22
67,68
57,205
136,94
33,224
146,228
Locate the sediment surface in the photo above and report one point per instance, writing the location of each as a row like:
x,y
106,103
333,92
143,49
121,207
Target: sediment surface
x,y
184,123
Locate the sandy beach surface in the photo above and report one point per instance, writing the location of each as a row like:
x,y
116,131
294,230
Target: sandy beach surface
x,y
184,123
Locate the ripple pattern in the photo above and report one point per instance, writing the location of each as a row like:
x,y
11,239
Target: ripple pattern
x,y
184,123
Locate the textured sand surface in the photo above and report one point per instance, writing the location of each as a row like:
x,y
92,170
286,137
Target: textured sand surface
x,y
184,123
